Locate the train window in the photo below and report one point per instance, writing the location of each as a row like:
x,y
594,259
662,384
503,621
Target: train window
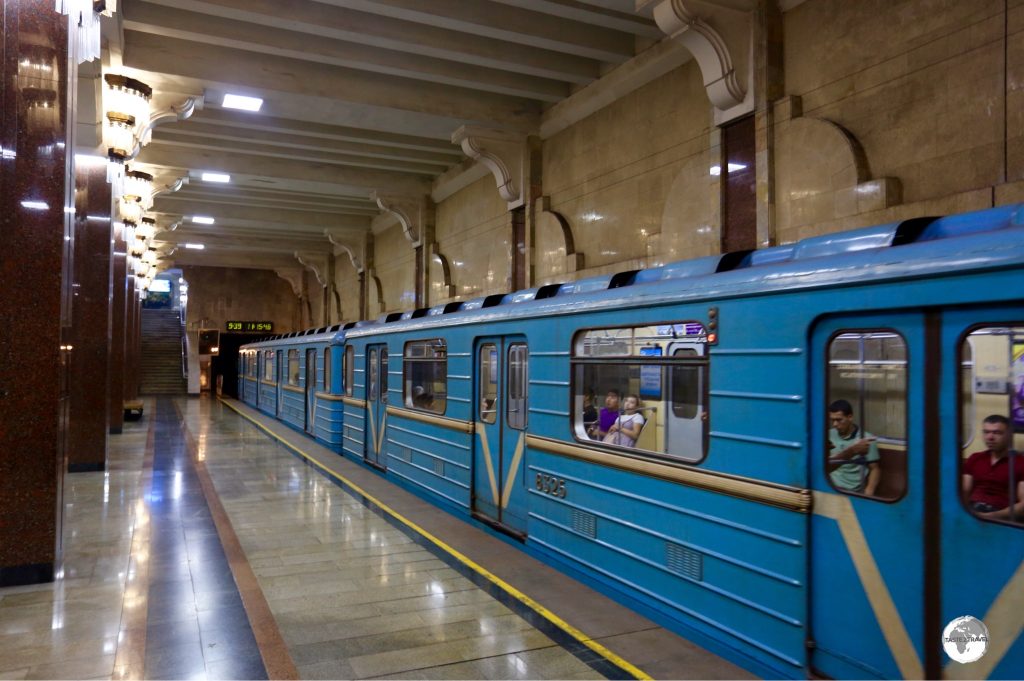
x,y
650,383
992,414
518,386
327,370
384,375
489,383
866,450
253,364
268,365
425,367
349,369
372,387
293,367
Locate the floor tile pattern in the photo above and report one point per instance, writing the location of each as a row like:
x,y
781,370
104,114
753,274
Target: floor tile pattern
x,y
354,596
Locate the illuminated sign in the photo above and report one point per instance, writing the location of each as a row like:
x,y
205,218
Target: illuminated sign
x,y
257,327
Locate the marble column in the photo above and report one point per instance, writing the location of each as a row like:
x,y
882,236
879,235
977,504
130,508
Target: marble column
x,y
33,180
117,331
90,410
133,346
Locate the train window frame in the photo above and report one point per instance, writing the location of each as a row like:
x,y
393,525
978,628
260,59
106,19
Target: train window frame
x,y
435,353
348,369
253,365
961,459
635,359
293,376
268,365
859,410
326,381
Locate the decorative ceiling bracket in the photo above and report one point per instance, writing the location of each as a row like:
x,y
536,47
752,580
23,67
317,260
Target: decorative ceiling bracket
x,y
315,263
350,250
176,112
504,155
409,211
708,47
293,275
172,187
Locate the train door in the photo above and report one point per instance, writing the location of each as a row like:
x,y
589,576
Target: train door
x,y
280,381
982,559
376,404
311,391
502,393
687,398
871,583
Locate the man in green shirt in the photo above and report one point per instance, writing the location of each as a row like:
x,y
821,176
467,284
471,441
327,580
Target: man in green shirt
x,y
853,457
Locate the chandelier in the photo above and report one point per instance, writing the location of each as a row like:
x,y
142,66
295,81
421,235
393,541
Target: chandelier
x,y
126,107
84,25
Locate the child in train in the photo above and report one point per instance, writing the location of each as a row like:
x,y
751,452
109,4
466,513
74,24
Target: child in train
x,y
626,428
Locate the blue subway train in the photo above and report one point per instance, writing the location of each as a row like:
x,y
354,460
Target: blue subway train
x,y
668,435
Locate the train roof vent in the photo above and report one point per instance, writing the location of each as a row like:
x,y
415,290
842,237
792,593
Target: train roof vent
x,y
494,299
870,238
391,317
524,296
988,220
599,283
419,312
322,329
731,261
548,291
336,327
769,256
348,326
649,275
474,304
623,279
436,310
453,307
691,268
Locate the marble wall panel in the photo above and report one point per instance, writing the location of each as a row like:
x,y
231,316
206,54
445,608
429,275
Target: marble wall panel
x,y
395,267
347,284
118,330
920,85
91,321
217,294
33,178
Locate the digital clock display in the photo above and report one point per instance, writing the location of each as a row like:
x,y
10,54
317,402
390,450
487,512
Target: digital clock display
x,y
251,326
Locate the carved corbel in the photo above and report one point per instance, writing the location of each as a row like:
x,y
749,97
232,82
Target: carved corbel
x,y
350,250
410,212
680,23
176,112
293,275
316,263
174,186
504,155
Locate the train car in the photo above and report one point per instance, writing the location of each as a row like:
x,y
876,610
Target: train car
x,y
290,378
711,500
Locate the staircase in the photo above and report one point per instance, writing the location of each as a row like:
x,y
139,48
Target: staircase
x,y
161,353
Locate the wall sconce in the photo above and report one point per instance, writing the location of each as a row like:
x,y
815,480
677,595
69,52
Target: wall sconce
x,y
84,24
146,230
139,185
126,107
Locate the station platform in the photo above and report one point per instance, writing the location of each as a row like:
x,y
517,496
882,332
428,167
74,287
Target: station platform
x,y
220,544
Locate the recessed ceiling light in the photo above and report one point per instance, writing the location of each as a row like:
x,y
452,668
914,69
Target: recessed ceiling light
x,y
202,219
241,102
216,177
197,247
35,205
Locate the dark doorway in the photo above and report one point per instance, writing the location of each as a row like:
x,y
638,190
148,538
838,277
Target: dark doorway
x,y
226,362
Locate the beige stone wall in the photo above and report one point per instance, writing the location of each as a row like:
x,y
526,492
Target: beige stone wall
x,y
915,94
633,181
219,294
395,267
473,233
346,281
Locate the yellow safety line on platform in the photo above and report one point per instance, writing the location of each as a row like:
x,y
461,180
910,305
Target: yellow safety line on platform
x,y
462,558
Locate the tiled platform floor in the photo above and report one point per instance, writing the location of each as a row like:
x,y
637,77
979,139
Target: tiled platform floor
x,y
209,550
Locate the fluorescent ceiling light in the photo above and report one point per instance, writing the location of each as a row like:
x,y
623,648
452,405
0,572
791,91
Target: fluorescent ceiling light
x,y
243,103
216,177
202,219
35,205
197,247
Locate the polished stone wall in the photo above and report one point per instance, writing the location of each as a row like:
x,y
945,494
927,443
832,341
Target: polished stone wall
x,y
33,177
395,268
118,331
91,320
219,294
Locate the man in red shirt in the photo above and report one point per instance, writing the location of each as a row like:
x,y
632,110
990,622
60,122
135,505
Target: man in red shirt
x,y
987,474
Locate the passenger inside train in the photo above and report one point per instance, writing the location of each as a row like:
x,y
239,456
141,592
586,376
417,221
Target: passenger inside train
x,y
854,452
993,478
